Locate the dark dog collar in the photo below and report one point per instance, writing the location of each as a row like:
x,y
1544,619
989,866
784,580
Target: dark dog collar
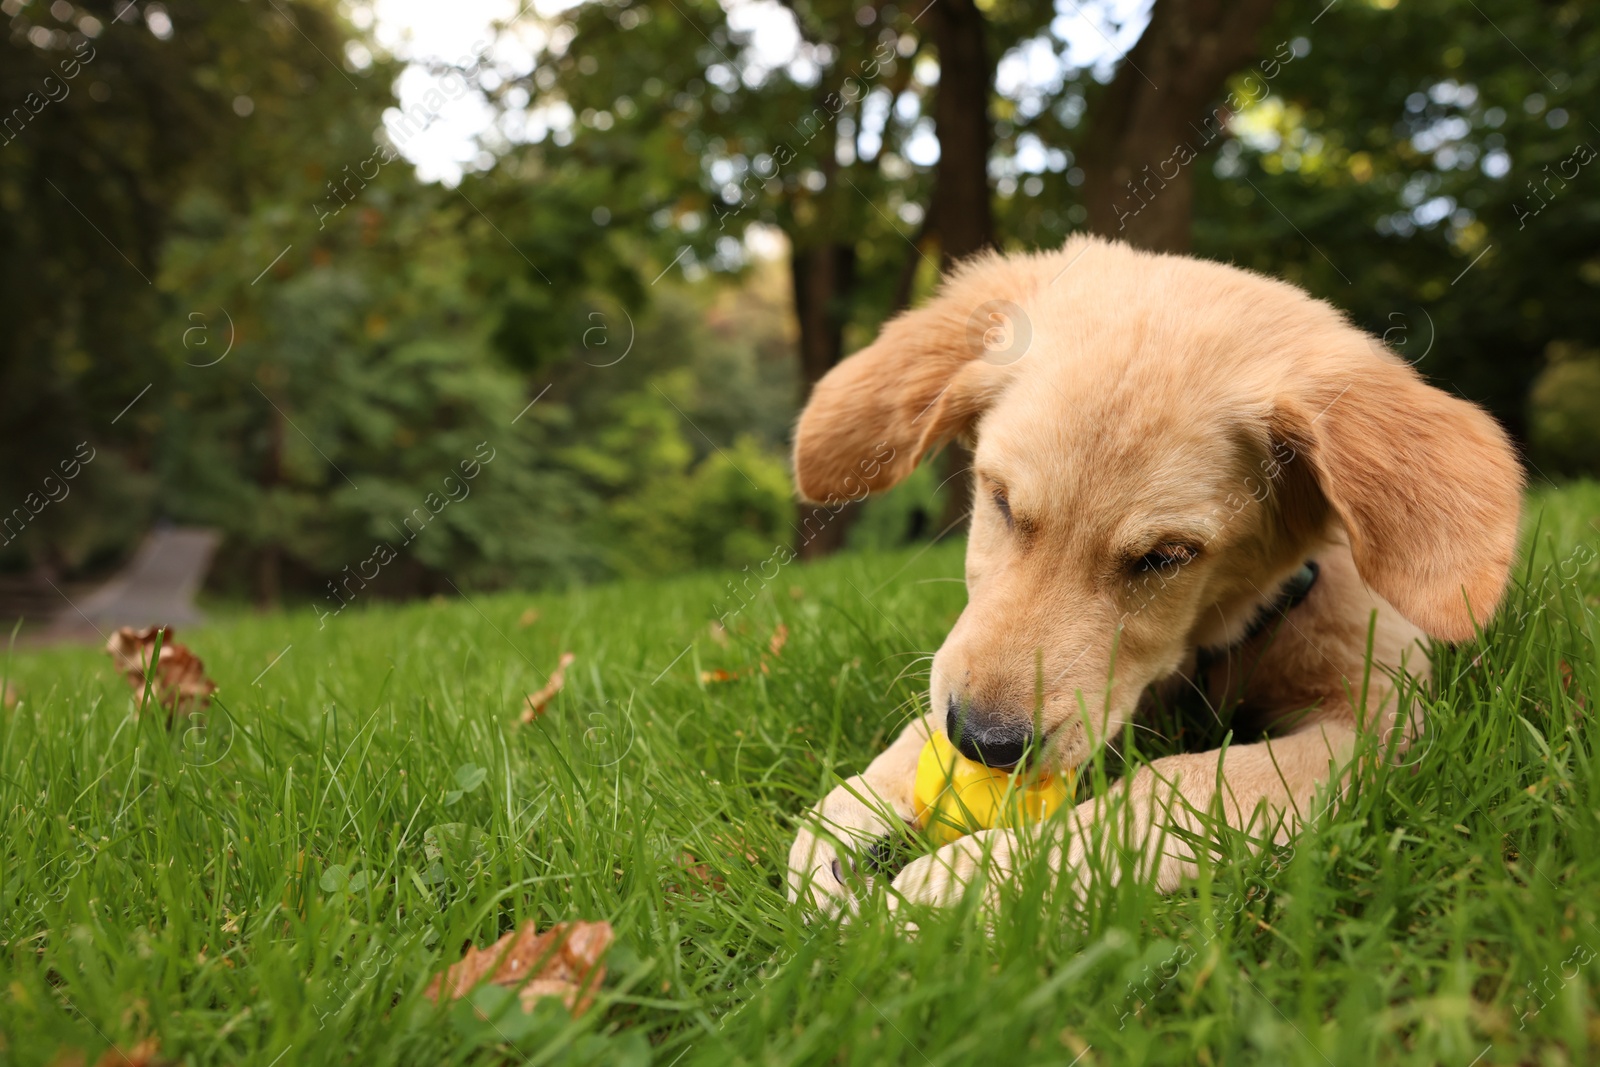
x,y
1290,596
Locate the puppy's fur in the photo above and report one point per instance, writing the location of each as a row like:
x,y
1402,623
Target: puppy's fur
x,y
1160,443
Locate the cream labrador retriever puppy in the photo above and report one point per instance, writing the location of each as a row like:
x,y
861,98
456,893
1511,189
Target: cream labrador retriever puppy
x,y
1176,463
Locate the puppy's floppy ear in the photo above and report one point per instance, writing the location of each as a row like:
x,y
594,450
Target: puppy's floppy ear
x,y
870,420
1427,485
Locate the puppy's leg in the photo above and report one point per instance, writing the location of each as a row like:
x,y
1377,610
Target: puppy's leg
x,y
854,815
1267,787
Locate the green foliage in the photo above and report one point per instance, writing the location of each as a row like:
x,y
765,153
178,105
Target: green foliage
x,y
1421,167
283,877
325,341
1562,409
357,383
88,188
674,499
731,510
905,513
700,140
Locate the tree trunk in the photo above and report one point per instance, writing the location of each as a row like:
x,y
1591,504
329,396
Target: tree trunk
x,y
961,213
823,277
269,561
1149,126
269,577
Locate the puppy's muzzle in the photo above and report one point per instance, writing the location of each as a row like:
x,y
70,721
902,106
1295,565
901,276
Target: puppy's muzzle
x,y
994,739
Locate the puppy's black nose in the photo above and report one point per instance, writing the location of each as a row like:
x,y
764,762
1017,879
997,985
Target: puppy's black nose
x,y
990,739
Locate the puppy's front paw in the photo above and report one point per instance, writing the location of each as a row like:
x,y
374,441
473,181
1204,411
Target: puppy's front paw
x,y
842,841
939,878
817,874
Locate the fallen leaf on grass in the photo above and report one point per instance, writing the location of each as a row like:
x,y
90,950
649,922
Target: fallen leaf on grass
x,y
780,637
552,686
528,618
736,847
564,962
179,679
687,861
145,1054
1568,686
699,872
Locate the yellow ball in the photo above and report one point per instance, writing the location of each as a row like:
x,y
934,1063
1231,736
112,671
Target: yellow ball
x,y
955,796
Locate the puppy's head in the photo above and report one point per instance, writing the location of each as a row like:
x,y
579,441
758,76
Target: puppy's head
x,y
1158,442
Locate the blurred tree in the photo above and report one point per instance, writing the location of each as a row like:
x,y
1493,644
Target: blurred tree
x,y
313,342
1136,157
1429,167
112,111
1563,432
358,383
419,332
960,215
821,148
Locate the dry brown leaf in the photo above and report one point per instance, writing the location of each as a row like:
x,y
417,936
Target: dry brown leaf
x,y
780,637
179,683
1567,686
736,846
202,956
145,1054
700,873
528,618
552,686
564,962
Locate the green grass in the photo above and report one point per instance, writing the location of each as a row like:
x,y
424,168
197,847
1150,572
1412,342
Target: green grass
x,y
281,886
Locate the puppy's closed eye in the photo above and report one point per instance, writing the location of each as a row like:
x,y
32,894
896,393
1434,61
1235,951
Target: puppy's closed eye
x,y
1003,502
1166,557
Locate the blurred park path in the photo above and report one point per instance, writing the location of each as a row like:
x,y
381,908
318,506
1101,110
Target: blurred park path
x,y
157,587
